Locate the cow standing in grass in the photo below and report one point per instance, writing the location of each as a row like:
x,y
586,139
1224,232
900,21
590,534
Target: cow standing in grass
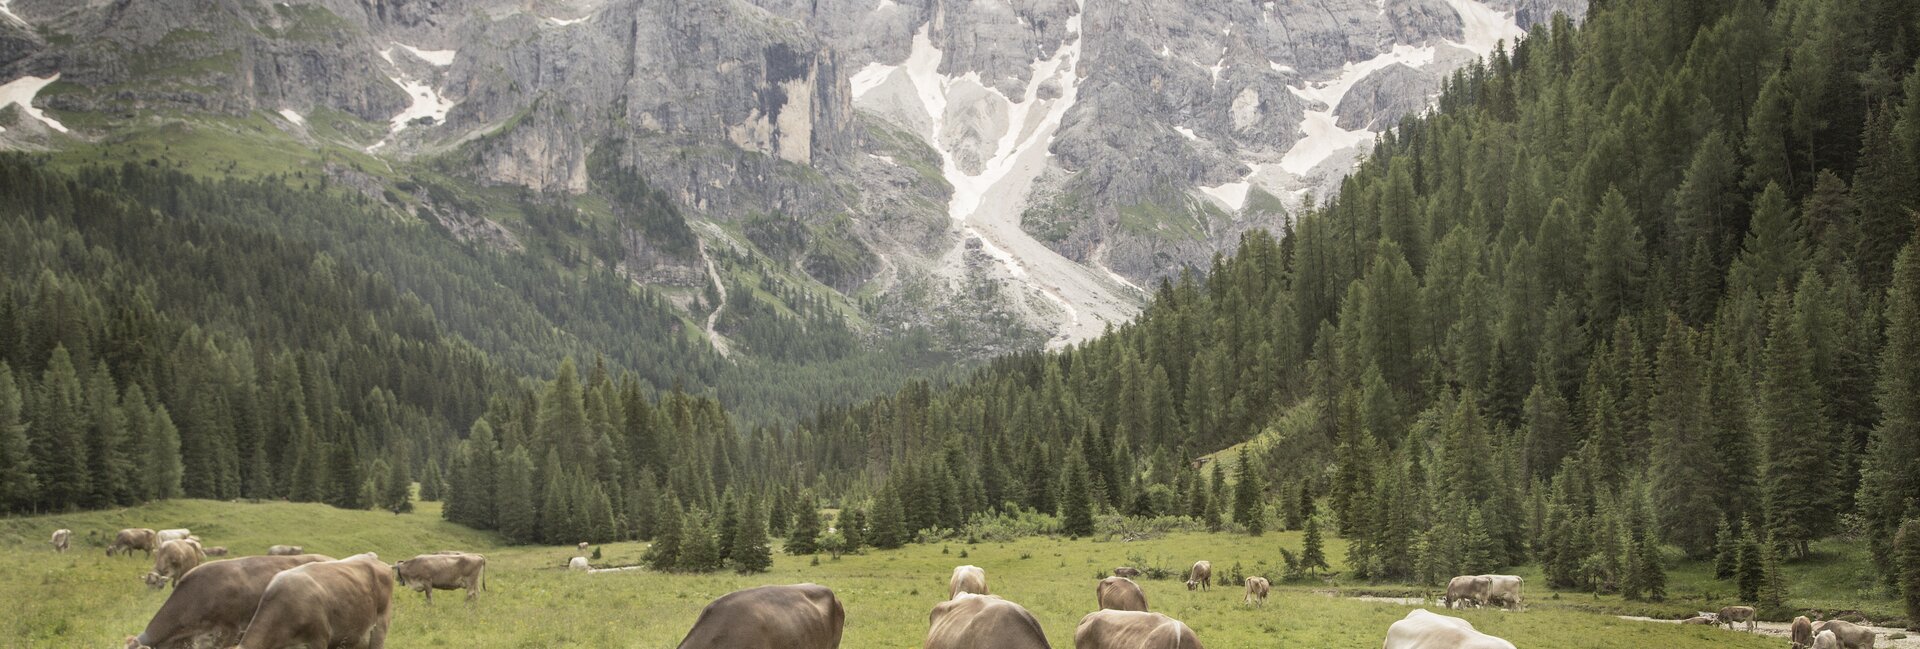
x,y
1733,614
983,622
1201,576
1802,633
1257,588
60,538
345,603
133,538
443,571
217,599
1849,635
172,561
967,579
1111,629
799,616
1424,629
1120,594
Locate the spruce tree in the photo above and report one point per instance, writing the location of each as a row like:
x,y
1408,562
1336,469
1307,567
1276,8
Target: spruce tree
x,y
1800,491
1248,499
346,482
1726,550
433,483
699,552
804,538
750,551
1907,553
1313,557
18,485
1750,572
853,525
398,497
1076,499
514,497
663,555
1773,581
56,435
729,526
889,529
1889,477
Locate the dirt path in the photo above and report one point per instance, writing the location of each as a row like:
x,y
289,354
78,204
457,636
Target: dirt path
x,y
1781,629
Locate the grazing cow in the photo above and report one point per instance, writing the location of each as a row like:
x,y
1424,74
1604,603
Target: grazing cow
x,y
1257,588
1826,640
1848,634
967,579
164,536
1469,590
325,604
1126,571
429,572
133,538
579,563
582,545
285,551
1703,619
1424,629
1201,576
983,622
60,537
1132,630
172,561
1802,633
1503,591
798,616
1120,594
218,598
217,551
1731,614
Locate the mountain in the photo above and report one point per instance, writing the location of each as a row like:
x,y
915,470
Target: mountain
x,y
988,170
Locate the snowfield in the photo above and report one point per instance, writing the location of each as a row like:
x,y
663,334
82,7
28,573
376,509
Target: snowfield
x,y
22,91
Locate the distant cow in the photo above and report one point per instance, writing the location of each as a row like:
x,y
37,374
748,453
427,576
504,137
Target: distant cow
x,y
429,572
1257,588
1126,571
1703,619
1424,629
218,598
1732,614
1467,590
1848,634
983,622
217,551
967,579
60,537
582,545
1120,594
164,536
285,551
172,561
798,616
1503,591
1801,634
579,563
1201,576
1826,640
133,538
1132,630
325,604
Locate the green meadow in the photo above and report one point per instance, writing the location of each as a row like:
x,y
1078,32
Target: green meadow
x,y
84,599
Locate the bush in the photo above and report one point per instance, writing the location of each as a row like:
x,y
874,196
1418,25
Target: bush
x,y
1003,527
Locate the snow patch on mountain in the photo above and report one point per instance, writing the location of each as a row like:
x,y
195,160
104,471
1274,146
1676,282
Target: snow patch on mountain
x,y
293,116
1231,195
6,9
436,58
22,91
1485,27
1323,133
423,100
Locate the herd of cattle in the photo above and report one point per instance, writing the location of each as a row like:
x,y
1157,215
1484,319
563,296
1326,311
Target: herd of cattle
x,y
287,598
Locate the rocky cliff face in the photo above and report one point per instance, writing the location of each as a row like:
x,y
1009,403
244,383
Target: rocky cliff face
x,y
1062,150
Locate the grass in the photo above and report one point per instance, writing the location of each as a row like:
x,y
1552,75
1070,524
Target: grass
x,y
85,599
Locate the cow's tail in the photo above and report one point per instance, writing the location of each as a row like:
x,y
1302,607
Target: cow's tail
x,y
483,574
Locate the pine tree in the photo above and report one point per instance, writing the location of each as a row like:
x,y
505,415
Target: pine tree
x,y
57,433
1750,573
1773,581
664,554
346,488
514,498
805,535
1680,488
750,551
1313,557
1800,491
889,529
1907,544
1248,499
853,525
398,495
729,526
1076,499
698,550
1726,551
1616,261
1885,188
1889,478
18,485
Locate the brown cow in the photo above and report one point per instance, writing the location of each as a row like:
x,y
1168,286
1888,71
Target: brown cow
x,y
1132,630
1424,629
1826,640
60,537
1126,571
285,551
983,622
1850,635
1120,594
797,616
1801,634
133,538
164,536
217,598
583,546
1466,590
327,604
429,572
1704,619
1257,588
1731,614
172,561
967,579
1201,576
217,551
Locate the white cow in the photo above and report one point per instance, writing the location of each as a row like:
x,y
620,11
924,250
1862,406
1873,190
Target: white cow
x,y
578,563
173,535
1423,629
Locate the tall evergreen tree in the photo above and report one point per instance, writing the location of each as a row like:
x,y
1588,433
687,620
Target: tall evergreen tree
x,y
889,521
398,494
804,538
750,551
1890,479
1249,499
57,435
1800,491
18,485
514,498
1076,499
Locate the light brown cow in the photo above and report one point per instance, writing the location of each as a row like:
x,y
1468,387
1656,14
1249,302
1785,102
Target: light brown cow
x,y
583,546
1850,635
1126,571
967,579
1801,634
983,622
429,572
1201,576
1732,614
133,538
284,550
1132,630
1503,591
1707,619
1424,629
1120,594
797,616
215,599
1466,590
1257,588
327,604
60,538
172,561
1826,640
164,536
217,551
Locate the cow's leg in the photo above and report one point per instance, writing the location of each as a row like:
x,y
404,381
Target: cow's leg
x,y
429,592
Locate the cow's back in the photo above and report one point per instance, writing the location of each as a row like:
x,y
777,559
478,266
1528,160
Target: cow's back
x,y
797,616
347,598
1110,629
217,597
1851,636
983,622
1424,629
442,570
1120,594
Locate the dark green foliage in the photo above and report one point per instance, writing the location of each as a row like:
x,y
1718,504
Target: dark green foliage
x,y
1313,557
1750,569
1907,551
698,550
1890,478
1249,497
397,496
805,535
1076,499
889,528
750,553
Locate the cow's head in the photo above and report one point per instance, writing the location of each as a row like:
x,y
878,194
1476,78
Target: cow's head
x,y
154,580
133,642
400,571
1191,584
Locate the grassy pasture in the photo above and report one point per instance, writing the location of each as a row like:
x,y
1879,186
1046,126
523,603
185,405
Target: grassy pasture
x,y
83,599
